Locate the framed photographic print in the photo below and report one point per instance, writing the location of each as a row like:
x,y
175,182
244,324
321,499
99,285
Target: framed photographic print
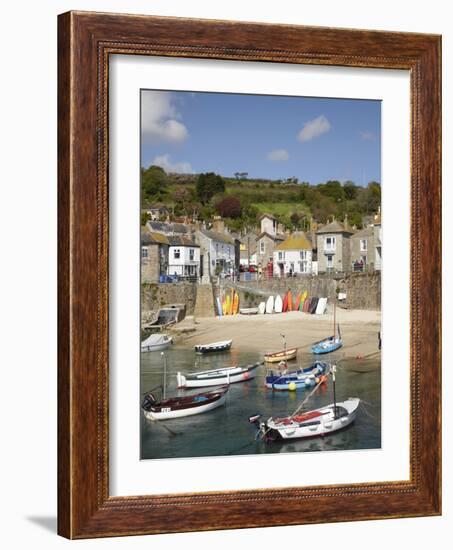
x,y
249,275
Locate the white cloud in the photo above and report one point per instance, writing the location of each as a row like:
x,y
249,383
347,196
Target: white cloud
x,y
314,128
278,155
368,136
159,118
171,167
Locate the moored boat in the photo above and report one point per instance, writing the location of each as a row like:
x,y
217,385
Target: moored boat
x,y
156,342
215,377
314,423
283,355
331,343
318,422
248,311
301,378
177,407
224,345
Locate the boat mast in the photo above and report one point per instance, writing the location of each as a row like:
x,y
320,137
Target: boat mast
x,y
164,390
334,317
334,370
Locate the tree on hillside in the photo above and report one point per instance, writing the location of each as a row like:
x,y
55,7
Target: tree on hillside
x,y
229,207
350,190
332,189
154,181
208,185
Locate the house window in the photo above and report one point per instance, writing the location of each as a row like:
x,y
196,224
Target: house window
x,y
329,243
303,254
144,251
262,247
281,256
191,254
176,254
291,267
217,248
363,258
363,245
329,260
303,267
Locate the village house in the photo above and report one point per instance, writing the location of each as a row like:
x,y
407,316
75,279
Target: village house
x,y
183,258
217,254
293,256
377,230
334,247
363,249
248,247
268,240
154,256
156,212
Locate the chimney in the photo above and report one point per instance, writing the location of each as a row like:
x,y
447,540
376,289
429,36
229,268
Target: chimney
x,y
218,225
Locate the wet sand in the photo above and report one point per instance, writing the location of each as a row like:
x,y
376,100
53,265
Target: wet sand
x,y
359,329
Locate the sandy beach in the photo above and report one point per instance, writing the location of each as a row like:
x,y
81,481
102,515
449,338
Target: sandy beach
x,y
359,329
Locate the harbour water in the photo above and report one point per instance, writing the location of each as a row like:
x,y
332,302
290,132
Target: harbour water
x,y
226,430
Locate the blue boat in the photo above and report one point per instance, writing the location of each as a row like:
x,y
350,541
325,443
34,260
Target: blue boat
x,y
327,345
331,343
301,378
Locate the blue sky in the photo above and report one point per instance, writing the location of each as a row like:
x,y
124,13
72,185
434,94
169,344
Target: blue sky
x,y
272,137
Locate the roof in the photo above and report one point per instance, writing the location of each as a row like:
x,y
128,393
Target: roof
x,y
151,237
297,241
365,232
215,236
272,237
165,227
335,227
178,240
268,216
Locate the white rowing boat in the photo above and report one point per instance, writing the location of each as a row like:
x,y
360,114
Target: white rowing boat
x,y
216,377
156,342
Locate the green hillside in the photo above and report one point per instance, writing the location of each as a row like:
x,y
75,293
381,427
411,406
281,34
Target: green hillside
x,y
241,201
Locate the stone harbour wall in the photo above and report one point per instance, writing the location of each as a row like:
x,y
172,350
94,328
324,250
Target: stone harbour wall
x,y
157,295
363,290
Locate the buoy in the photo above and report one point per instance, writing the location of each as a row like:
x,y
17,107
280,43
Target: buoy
x,y
292,386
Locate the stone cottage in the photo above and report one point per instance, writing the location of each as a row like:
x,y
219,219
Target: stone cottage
x,y
334,247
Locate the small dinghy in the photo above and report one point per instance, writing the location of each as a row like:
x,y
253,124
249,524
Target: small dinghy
x,y
156,342
301,378
216,377
225,345
177,407
284,355
262,308
248,311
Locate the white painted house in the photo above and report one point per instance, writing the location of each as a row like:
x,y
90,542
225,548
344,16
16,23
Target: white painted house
x,y
293,256
217,252
183,258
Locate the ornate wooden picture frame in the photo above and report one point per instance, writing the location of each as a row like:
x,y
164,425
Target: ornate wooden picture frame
x,y
86,40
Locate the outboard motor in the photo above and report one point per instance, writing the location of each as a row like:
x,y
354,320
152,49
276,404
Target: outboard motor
x,y
148,401
255,419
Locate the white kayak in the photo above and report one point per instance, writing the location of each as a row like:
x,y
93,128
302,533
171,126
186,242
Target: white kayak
x,y
321,307
278,304
262,308
270,305
156,342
